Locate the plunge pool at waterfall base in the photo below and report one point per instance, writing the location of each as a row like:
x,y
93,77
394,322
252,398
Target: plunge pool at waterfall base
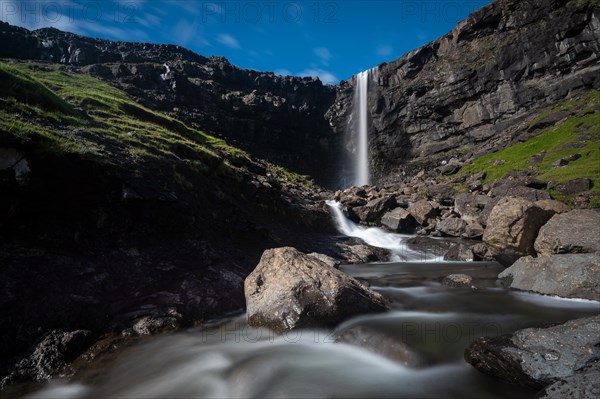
x,y
233,360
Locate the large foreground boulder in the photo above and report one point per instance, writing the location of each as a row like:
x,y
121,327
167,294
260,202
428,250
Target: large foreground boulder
x,y
536,357
577,231
512,228
289,289
570,276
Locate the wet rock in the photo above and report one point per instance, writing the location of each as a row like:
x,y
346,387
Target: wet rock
x,y
399,220
50,357
453,227
381,344
574,186
577,231
512,228
460,252
481,252
422,211
374,209
289,289
585,384
362,253
429,245
570,275
536,357
149,325
458,281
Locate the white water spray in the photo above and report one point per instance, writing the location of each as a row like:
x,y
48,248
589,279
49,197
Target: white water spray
x,y
362,159
380,238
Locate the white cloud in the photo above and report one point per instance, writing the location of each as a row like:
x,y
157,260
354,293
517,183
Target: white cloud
x,y
324,54
325,76
384,50
228,40
282,72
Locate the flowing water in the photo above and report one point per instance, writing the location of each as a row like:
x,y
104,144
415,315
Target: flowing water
x,y
360,109
234,360
380,238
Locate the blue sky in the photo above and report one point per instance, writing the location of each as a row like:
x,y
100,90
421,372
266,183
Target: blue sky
x,y
330,39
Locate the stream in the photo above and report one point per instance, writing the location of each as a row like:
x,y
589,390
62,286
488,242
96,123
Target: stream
x,y
233,360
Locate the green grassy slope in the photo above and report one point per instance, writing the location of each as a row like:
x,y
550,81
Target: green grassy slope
x,y
68,112
581,129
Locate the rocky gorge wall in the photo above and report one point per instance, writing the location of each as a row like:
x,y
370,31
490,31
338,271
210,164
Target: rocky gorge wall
x,y
475,89
277,118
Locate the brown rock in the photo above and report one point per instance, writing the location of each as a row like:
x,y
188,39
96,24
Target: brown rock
x,y
512,228
421,211
289,289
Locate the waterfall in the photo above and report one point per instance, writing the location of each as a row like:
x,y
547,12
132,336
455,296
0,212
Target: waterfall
x,y
360,103
380,238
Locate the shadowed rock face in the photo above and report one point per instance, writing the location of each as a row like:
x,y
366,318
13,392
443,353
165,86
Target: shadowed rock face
x,y
280,119
470,90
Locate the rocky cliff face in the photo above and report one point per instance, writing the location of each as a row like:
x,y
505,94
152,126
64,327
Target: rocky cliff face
x,y
280,119
476,88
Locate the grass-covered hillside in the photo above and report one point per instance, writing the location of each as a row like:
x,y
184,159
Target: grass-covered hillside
x,y
576,134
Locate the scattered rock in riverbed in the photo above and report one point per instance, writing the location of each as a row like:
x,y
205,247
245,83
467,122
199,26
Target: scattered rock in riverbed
x,y
537,357
453,227
355,253
289,289
577,231
569,275
399,220
458,281
422,211
50,357
512,228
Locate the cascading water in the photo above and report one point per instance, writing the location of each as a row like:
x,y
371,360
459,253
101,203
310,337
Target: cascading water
x,y
360,104
379,238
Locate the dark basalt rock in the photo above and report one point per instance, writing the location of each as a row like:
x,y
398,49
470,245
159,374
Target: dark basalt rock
x,y
477,88
537,357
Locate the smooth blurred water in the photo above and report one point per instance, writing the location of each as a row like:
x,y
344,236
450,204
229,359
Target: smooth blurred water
x,y
238,361
376,237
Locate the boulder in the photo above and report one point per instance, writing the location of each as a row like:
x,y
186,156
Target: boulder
x,y
469,206
552,205
289,289
399,220
362,253
458,281
577,231
512,228
585,384
442,193
422,211
453,227
50,357
381,344
574,186
536,357
331,262
374,209
571,275
528,193
474,230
